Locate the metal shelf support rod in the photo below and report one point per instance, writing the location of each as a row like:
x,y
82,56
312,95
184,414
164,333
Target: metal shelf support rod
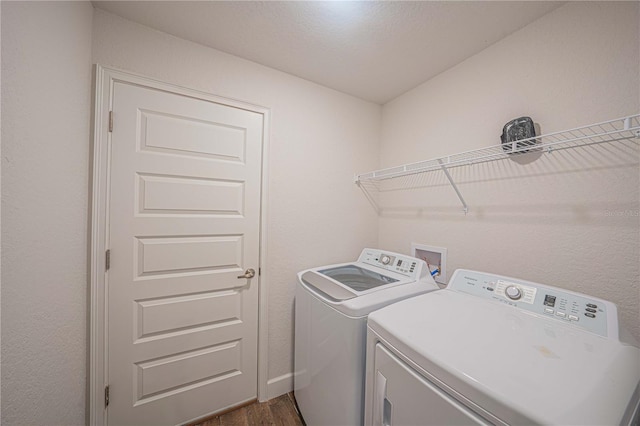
x,y
465,208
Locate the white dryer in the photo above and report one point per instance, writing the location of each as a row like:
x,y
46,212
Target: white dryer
x,y
331,308
490,349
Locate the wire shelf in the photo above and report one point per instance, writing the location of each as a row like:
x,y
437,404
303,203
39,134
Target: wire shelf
x,y
607,131
620,129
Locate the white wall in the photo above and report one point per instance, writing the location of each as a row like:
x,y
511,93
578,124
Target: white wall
x,y
46,100
319,138
568,219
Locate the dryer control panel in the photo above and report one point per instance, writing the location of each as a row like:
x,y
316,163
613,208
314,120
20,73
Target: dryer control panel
x,y
399,263
575,309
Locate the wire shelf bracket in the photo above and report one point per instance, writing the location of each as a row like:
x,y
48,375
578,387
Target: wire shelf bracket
x,y
465,208
620,129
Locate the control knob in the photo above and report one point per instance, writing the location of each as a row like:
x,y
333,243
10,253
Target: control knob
x,y
384,259
513,292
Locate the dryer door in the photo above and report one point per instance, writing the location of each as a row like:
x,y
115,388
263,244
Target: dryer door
x,y
404,397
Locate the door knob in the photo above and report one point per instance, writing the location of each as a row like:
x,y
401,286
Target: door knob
x,y
249,273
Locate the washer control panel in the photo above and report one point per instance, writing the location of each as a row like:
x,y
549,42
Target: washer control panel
x,y
405,265
514,291
595,315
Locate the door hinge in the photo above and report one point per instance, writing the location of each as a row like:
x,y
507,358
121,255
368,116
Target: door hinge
x,y
107,260
106,396
110,121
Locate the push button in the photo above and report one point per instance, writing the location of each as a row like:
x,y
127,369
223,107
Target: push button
x,y
591,305
548,311
561,314
573,318
589,314
591,310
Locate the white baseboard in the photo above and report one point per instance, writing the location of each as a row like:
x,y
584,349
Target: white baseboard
x,y
279,385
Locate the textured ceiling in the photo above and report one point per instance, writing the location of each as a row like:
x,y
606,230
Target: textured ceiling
x,y
375,50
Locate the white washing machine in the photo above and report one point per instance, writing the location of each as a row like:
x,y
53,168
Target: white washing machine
x,y
496,350
331,308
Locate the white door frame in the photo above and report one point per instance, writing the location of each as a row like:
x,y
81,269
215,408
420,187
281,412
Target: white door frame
x,y
104,82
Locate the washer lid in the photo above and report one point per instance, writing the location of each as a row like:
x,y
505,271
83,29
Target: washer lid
x,y
346,281
357,278
519,366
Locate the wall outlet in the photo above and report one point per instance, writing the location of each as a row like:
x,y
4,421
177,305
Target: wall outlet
x,y
436,258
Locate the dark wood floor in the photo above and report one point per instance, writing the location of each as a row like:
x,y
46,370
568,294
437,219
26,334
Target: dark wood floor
x,y
278,411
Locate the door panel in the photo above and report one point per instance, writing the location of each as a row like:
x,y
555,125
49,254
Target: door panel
x,y
171,314
163,375
183,224
402,397
170,195
188,136
167,255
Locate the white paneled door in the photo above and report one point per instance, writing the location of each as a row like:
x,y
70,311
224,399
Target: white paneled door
x,y
184,216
